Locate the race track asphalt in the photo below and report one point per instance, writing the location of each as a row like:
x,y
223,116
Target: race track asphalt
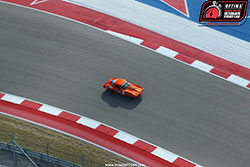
x,y
184,110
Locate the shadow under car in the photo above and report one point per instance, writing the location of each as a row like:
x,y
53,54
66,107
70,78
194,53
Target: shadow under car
x,y
117,100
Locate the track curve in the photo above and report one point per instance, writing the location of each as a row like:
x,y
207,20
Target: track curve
x,y
186,111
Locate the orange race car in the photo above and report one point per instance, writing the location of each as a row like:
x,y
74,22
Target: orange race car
x,y
123,87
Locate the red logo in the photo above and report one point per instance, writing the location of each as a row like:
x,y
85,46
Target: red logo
x,y
229,11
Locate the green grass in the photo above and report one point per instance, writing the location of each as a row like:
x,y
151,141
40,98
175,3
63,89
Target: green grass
x,y
35,138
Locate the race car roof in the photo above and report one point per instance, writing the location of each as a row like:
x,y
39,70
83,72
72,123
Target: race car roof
x,y
120,81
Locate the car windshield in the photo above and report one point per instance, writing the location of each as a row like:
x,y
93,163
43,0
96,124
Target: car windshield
x,y
113,81
125,85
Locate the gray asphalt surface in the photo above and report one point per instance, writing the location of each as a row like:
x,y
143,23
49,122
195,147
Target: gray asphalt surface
x,y
186,111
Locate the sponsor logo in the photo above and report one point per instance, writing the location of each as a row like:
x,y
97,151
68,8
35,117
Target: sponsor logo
x,y
221,12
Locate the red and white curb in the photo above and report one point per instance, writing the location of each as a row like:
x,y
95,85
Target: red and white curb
x,y
204,67
101,127
189,61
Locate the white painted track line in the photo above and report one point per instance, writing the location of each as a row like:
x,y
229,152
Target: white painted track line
x,y
201,66
126,137
50,109
126,37
238,80
167,52
89,122
13,99
164,154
